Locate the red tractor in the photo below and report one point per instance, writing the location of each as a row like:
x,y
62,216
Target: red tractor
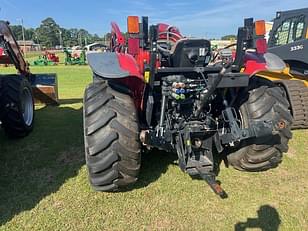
x,y
18,92
158,89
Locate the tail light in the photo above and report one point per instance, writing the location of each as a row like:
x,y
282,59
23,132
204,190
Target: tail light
x,y
260,28
261,46
133,24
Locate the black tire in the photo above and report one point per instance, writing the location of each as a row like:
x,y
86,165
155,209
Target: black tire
x,y
265,102
97,79
111,131
297,94
16,106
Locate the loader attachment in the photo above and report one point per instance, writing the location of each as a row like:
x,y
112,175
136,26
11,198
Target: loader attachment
x,y
45,88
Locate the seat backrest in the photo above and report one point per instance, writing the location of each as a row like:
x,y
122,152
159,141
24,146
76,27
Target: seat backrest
x,y
190,53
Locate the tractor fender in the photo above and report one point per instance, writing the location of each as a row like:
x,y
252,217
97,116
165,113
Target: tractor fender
x,y
255,63
112,65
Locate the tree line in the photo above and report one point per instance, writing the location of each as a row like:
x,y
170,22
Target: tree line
x,y
49,35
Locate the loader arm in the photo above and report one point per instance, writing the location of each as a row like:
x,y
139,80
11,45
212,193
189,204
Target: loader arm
x,y
44,86
12,54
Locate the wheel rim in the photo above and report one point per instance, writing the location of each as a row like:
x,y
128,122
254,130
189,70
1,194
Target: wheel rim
x,y
27,106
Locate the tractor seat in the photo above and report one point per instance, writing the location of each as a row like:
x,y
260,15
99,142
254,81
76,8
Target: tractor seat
x,y
190,53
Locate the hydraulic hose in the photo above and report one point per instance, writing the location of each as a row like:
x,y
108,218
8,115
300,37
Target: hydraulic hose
x,y
212,89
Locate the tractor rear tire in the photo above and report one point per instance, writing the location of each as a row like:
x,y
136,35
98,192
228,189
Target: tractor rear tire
x,y
16,106
111,136
266,101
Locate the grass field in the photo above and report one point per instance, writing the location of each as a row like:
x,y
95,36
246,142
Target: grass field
x,y
44,185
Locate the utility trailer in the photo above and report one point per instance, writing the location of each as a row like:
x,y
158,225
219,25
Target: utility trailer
x,y
19,92
157,89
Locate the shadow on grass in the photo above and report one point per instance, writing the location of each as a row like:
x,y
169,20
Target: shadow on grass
x,y
156,162
70,101
153,165
36,166
268,220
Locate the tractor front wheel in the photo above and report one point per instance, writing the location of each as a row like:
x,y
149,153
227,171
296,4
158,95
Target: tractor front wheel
x,y
264,102
112,146
16,106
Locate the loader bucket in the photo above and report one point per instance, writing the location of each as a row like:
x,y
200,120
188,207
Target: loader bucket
x,y
45,88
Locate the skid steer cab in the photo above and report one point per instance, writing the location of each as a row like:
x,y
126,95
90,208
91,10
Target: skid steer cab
x,y
157,89
289,40
18,92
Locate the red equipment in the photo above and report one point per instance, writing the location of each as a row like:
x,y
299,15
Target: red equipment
x,y
18,91
117,39
138,66
159,89
44,86
51,56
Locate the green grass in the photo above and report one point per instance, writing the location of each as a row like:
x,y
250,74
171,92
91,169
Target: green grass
x,y
44,185
32,54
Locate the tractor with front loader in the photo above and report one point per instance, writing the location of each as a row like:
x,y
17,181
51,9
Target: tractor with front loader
x,y
19,92
157,89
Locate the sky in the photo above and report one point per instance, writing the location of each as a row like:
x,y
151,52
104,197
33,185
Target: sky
x,y
198,18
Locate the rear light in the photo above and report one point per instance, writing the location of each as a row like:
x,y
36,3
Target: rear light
x,y
133,24
260,28
133,46
261,46
307,34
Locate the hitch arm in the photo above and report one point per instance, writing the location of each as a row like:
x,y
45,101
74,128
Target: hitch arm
x,y
210,179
